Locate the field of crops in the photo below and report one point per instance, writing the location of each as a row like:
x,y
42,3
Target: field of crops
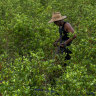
x,y
28,64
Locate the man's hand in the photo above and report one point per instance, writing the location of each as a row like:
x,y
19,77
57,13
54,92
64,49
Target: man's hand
x,y
74,36
55,43
63,45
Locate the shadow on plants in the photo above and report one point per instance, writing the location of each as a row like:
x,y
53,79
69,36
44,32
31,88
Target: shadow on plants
x,y
47,91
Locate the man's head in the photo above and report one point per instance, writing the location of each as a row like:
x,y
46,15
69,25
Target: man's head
x,y
57,18
58,23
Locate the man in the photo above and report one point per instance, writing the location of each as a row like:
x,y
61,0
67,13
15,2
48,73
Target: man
x,y
64,29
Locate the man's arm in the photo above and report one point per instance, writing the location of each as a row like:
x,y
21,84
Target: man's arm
x,y
57,40
68,41
69,28
55,43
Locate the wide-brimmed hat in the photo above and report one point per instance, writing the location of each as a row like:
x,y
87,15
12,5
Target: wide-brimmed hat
x,y
56,17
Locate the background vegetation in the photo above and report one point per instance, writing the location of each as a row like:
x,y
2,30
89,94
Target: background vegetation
x,y
28,65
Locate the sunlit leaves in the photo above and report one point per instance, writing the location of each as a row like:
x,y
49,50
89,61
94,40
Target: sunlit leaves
x,y
27,39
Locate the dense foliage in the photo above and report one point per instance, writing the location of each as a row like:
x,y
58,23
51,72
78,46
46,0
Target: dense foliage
x,y
28,64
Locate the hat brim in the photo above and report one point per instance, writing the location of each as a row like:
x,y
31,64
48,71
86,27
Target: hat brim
x,y
63,17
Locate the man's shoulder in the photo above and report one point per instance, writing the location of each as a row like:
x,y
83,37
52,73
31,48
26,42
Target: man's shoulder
x,y
67,25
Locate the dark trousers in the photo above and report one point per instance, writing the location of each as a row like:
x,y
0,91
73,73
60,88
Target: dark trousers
x,y
66,51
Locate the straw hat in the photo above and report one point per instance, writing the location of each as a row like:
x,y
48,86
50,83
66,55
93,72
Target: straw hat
x,y
56,17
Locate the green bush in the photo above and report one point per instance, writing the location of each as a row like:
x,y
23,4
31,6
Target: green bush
x,y
30,66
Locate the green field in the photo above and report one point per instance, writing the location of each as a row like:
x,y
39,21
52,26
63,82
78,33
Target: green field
x,y
28,64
